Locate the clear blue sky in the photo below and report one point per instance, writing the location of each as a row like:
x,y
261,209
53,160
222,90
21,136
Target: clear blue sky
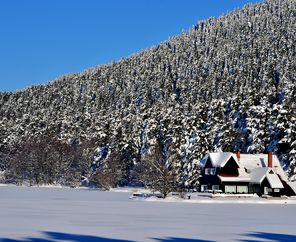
x,y
43,39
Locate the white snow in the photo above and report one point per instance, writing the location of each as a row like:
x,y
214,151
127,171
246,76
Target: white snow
x,y
274,181
59,214
252,161
240,178
258,174
218,159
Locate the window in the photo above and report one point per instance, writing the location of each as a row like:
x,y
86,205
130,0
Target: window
x,y
203,188
215,187
276,190
210,171
267,190
230,189
242,189
213,171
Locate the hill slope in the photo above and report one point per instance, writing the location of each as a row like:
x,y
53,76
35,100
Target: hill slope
x,y
226,84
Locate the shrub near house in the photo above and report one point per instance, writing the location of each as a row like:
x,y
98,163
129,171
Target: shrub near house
x,y
244,173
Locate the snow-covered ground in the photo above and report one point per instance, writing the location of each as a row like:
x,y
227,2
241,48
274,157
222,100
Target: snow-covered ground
x,y
30,214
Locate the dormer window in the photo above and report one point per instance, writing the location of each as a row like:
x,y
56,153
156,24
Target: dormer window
x,y
210,171
213,171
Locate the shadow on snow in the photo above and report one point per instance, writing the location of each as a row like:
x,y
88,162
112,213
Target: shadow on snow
x,y
269,236
56,236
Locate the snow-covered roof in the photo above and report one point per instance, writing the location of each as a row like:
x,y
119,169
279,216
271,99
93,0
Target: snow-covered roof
x,y
252,161
293,186
258,175
218,159
274,180
234,179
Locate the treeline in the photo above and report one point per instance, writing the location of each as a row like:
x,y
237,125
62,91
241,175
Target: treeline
x,y
45,160
161,168
49,160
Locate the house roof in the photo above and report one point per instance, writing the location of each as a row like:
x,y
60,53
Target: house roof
x,y
292,185
242,177
258,175
274,180
253,161
234,179
252,168
219,159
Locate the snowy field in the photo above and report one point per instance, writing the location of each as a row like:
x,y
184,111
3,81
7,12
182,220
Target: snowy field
x,y
30,214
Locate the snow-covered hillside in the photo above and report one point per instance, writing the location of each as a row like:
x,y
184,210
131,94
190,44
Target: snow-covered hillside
x,y
226,84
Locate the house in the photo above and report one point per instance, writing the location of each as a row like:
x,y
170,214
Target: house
x,y
244,173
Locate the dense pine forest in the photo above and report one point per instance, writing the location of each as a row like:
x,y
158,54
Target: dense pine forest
x,y
227,84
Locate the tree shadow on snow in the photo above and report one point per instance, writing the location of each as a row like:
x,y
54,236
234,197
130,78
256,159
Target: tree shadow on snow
x,y
56,236
172,239
269,236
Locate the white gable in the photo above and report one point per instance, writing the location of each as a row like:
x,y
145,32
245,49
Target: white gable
x,y
218,159
274,181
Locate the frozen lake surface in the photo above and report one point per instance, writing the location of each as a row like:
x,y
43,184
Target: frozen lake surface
x,y
30,214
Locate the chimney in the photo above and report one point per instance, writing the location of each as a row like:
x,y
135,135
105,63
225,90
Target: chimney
x,y
238,154
270,159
